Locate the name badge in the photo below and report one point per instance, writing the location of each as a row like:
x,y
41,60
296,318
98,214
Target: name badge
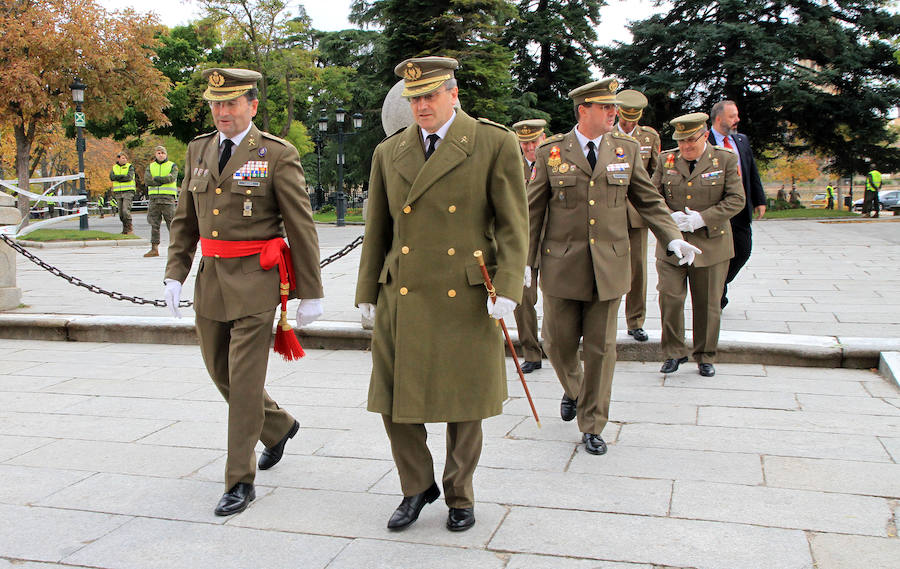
x,y
620,176
248,183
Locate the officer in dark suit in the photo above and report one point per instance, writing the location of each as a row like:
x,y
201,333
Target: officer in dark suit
x,y
243,192
724,117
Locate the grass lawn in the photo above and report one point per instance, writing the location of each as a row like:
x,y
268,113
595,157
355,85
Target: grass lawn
x,y
807,213
45,235
331,216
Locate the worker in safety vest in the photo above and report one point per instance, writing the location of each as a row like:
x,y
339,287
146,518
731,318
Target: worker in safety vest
x,y
122,176
162,189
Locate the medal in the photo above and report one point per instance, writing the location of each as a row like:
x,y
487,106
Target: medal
x,y
554,161
715,162
564,167
620,152
670,161
262,152
248,208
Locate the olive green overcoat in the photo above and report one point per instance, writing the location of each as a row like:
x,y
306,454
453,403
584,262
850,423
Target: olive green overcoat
x,y
436,354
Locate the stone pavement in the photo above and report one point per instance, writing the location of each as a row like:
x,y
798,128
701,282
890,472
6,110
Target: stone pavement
x,y
112,456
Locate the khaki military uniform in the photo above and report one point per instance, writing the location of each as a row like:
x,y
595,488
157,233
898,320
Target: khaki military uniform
x,y
162,206
525,313
636,298
437,356
584,256
234,298
713,189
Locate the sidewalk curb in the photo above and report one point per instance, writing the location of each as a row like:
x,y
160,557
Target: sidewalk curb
x,y
79,244
734,347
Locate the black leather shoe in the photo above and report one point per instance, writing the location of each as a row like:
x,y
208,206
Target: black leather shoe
x,y
707,370
567,408
271,456
529,367
639,334
460,519
236,500
408,510
671,365
594,444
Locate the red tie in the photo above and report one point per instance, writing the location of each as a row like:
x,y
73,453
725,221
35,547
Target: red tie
x,y
726,140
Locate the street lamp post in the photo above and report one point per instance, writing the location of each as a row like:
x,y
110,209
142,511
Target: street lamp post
x,y
321,130
339,116
78,88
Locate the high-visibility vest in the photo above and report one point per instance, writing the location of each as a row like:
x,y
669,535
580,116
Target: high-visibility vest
x,y
164,169
122,171
830,191
873,181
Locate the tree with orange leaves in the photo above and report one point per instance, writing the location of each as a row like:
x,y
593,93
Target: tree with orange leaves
x,y
47,43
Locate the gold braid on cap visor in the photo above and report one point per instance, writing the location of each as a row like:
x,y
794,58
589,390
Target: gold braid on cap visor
x,y
226,93
422,86
686,132
611,99
530,136
631,114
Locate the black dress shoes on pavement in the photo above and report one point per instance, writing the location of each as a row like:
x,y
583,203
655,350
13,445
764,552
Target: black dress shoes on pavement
x,y
271,456
236,500
460,519
408,510
529,367
594,444
671,365
707,370
639,334
567,408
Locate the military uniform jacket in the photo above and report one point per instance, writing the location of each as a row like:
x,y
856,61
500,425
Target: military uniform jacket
x,y
216,206
585,242
425,220
714,189
648,139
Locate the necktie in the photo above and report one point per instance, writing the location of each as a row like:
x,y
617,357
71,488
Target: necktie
x,y
226,154
432,141
591,155
691,164
726,142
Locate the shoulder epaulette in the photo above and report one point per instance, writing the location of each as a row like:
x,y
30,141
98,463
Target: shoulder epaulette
x,y
649,129
271,136
490,122
717,147
669,150
398,131
554,138
617,134
204,135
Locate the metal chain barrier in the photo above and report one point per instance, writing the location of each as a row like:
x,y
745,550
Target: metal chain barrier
x,y
137,299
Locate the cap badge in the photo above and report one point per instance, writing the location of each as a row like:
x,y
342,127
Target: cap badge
x,y
525,130
412,72
680,127
613,85
216,79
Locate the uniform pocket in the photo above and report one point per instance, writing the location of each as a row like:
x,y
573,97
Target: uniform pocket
x,y
564,193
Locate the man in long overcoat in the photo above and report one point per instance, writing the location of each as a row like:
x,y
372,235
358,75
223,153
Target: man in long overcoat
x,y
440,190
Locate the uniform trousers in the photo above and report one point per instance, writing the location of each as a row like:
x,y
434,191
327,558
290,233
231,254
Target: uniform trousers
x,y
161,208
416,467
236,354
568,321
742,235
636,298
124,200
870,202
526,321
706,292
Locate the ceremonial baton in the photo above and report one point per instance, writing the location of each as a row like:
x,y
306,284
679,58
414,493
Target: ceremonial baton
x,y
493,294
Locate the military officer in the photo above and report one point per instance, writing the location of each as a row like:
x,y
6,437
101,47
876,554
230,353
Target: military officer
x,y
702,187
241,187
122,176
439,190
579,189
162,189
531,134
631,108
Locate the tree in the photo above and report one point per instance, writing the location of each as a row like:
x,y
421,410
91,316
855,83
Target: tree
x,y
554,42
806,76
467,30
802,168
46,43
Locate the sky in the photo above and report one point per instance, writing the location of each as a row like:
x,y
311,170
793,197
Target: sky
x,y
331,15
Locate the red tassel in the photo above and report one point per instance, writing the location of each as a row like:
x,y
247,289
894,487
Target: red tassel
x,y
286,342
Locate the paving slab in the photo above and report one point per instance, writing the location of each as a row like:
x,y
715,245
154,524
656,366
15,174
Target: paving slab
x,y
23,485
799,421
519,561
654,540
378,554
833,551
844,476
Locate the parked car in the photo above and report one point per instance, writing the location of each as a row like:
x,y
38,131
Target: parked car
x,y
140,205
888,199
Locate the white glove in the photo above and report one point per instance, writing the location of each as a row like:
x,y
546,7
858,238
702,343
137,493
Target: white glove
x,y
173,296
500,309
680,219
527,277
309,311
367,310
684,251
693,219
